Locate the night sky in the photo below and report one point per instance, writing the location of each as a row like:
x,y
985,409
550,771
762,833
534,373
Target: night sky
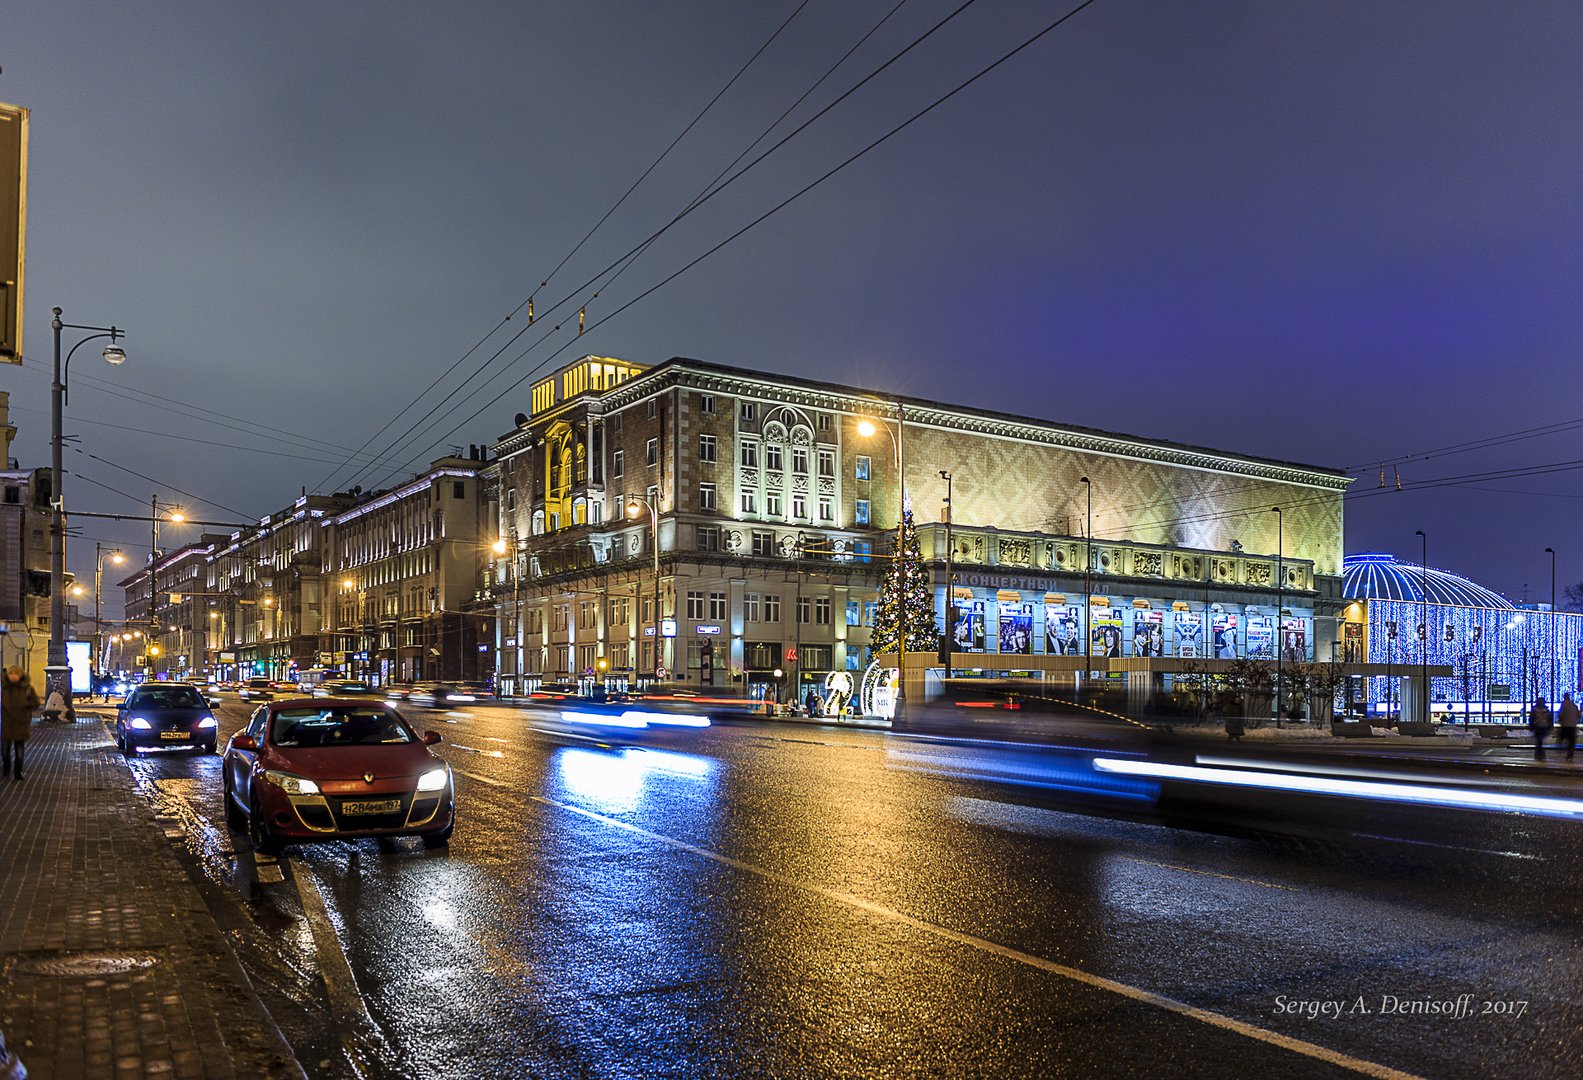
x,y
1344,234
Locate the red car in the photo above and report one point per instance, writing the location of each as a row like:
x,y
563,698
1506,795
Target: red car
x,y
307,769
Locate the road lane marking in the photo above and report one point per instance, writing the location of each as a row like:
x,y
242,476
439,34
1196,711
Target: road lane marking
x,y
475,750
1208,873
481,779
361,1038
1181,1008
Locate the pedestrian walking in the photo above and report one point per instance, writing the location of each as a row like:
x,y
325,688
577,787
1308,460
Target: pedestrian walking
x,y
1567,734
18,699
1539,720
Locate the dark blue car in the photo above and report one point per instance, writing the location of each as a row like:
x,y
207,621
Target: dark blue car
x,y
170,714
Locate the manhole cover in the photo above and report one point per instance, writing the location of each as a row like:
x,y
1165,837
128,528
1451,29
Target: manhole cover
x,y
97,963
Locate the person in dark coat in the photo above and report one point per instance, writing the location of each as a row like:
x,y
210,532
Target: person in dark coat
x,y
17,702
1567,731
1540,720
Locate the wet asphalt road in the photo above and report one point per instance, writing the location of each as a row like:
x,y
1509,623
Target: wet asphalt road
x,y
791,900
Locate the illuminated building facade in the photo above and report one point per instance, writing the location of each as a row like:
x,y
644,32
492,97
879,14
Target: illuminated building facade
x,y
1494,656
772,512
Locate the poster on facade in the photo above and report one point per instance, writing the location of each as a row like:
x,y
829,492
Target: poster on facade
x,y
1016,627
1148,633
1351,643
1224,629
1063,630
1105,638
1188,633
1294,641
1261,637
968,634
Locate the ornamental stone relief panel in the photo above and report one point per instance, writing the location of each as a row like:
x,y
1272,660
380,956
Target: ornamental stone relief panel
x,y
1148,563
1187,566
1258,573
1015,551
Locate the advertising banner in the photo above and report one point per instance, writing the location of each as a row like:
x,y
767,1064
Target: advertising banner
x,y
1351,643
1225,636
1261,637
968,634
1148,633
1188,633
1105,638
1016,627
1063,630
1294,641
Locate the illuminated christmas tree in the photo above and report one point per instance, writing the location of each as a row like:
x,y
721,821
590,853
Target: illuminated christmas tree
x,y
906,601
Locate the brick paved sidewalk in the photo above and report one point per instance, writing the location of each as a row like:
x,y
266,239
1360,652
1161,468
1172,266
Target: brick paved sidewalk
x,y
110,963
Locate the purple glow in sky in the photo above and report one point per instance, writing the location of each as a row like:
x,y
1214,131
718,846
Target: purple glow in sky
x,y
1341,233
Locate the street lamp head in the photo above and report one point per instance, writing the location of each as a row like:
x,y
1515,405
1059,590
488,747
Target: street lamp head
x,y
633,508
114,354
499,546
177,516
117,558
866,428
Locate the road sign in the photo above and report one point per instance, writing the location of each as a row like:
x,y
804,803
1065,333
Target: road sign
x,y
662,673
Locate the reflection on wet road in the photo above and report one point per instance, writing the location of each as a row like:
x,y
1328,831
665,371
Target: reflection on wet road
x,y
755,899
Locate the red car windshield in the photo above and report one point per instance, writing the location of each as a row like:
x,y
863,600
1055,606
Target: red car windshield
x,y
338,727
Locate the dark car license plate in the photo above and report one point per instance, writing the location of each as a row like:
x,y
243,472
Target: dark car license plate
x,y
381,806
175,735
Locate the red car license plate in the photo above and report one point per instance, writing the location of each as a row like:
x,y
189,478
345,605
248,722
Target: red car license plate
x,y
183,735
382,806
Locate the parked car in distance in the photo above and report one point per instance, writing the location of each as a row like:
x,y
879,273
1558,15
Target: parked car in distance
x,y
256,689
309,769
167,714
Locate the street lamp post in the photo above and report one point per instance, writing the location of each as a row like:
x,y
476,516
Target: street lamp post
x,y
1280,583
1423,627
947,641
1088,575
866,428
1555,627
116,557
56,669
633,502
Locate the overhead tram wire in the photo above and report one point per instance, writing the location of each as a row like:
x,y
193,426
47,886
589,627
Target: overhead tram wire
x,y
1521,435
568,256
716,191
766,215
142,397
163,484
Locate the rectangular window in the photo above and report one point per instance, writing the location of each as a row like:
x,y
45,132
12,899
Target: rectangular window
x,y
772,504
827,463
799,506
870,612
860,512
826,508
750,502
861,469
749,412
772,608
458,490
750,455
824,423
708,448
717,606
854,613
695,605
799,459
763,543
861,550
618,463
654,408
804,609
708,538
706,496
706,403
772,458
615,424
817,657
652,451
750,607
821,610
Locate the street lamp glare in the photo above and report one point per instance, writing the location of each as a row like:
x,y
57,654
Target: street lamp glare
x,y
177,516
866,428
117,558
499,546
114,355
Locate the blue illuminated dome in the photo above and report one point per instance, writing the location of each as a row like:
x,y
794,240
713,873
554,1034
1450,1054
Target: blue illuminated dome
x,y
1377,576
